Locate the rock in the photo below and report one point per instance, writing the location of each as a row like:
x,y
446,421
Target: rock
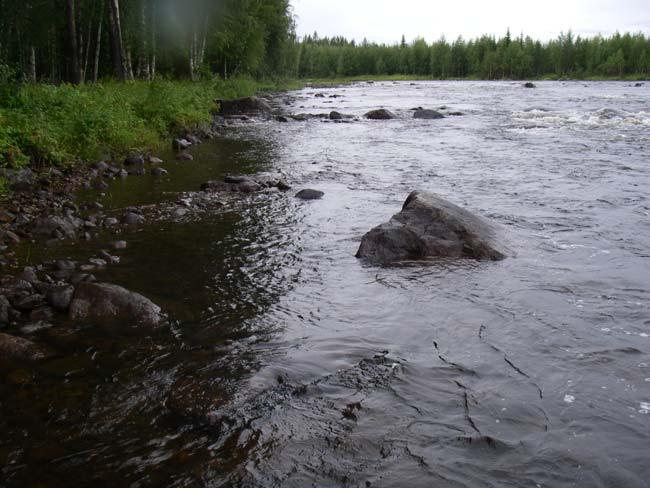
x,y
155,160
248,187
137,171
310,194
336,115
529,85
10,237
638,85
26,303
181,144
60,297
54,226
102,167
108,304
65,265
159,172
41,314
111,222
281,118
119,245
123,173
184,157
282,186
134,160
429,226
180,212
5,306
427,114
131,218
380,114
29,275
99,185
20,180
100,263
247,105
109,258
12,347
236,180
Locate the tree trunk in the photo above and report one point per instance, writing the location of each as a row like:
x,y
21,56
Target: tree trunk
x,y
74,75
98,46
143,58
32,65
115,34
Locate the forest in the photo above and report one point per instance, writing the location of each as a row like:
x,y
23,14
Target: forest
x,y
487,58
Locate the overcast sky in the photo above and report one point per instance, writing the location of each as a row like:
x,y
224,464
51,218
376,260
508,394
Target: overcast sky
x,y
387,20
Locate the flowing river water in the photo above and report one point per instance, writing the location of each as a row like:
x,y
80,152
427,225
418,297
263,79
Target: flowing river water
x,y
287,362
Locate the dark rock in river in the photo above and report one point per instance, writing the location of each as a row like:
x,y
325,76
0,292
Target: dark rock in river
x,y
107,304
184,157
247,105
429,226
529,85
60,297
310,194
155,160
12,347
57,226
181,144
134,160
380,114
132,218
427,114
159,172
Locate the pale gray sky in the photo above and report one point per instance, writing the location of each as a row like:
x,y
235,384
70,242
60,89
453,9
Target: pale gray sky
x,y
387,20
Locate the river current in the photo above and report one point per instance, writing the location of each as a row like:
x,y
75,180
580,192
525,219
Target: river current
x,y
289,363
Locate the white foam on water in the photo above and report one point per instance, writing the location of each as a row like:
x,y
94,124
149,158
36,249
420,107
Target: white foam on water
x,y
569,398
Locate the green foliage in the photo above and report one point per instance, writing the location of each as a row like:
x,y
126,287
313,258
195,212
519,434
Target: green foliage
x,y
618,56
62,124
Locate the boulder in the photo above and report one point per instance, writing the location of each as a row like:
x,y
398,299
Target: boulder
x,y
20,180
155,160
108,304
310,194
529,85
247,105
134,160
184,156
427,114
181,144
12,347
60,297
157,171
429,226
380,114
55,226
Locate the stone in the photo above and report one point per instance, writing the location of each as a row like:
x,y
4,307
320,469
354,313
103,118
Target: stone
x,y
119,245
429,226
5,306
10,237
26,303
159,172
60,297
111,222
13,347
29,275
184,157
131,218
137,171
181,144
247,105
110,304
310,194
102,167
155,160
281,118
529,85
427,114
282,185
41,314
55,226
99,185
380,114
20,180
134,160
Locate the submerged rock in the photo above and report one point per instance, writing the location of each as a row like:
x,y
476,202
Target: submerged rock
x,y
530,85
310,194
107,303
429,226
247,105
12,347
427,114
181,144
380,114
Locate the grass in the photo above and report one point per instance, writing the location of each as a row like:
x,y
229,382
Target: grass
x,y
62,125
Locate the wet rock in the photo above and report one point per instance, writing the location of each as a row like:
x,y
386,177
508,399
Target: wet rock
x,y
282,186
134,160
429,226
41,314
54,226
65,265
111,222
232,184
155,160
119,245
5,306
102,167
99,185
159,172
380,114
309,194
29,275
131,218
529,85
181,144
180,213
60,297
137,171
247,105
123,173
427,114
184,157
281,118
100,263
10,237
12,347
110,259
638,85
109,304
82,277
27,303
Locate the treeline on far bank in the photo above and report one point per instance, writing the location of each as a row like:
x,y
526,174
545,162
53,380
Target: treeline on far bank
x,y
488,58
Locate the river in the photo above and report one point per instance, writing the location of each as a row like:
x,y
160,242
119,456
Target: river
x,y
287,362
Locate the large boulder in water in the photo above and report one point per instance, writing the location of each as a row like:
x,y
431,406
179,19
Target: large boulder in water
x,y
380,114
429,226
247,105
12,347
107,304
427,114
